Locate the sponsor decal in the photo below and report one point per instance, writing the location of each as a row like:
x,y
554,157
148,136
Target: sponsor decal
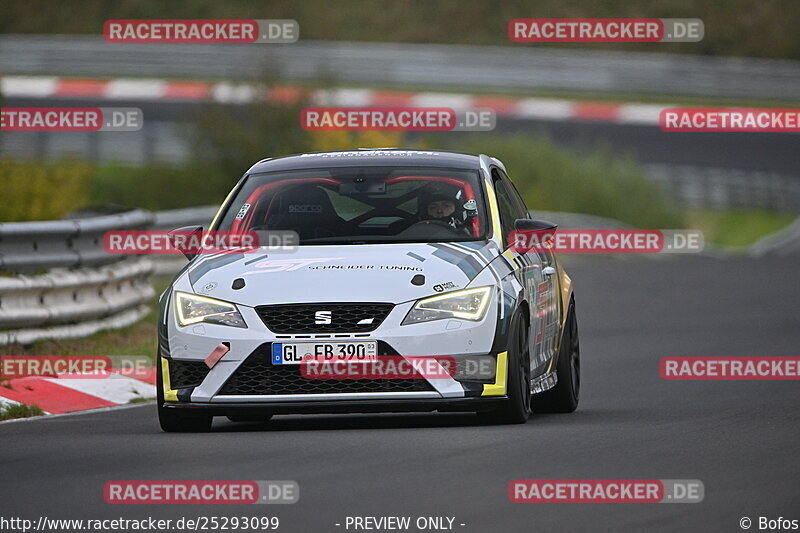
x,y
208,287
242,212
373,153
305,208
286,265
441,287
366,267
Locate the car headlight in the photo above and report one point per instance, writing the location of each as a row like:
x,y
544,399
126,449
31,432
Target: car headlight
x,y
469,304
193,308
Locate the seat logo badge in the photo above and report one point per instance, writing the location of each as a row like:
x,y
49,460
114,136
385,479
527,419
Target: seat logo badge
x,y
322,317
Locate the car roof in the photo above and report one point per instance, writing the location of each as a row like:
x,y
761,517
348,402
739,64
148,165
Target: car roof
x,y
370,157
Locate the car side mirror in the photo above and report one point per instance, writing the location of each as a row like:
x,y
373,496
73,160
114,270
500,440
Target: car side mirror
x,y
530,234
178,239
529,224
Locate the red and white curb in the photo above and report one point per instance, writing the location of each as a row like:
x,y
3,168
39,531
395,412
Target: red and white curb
x,y
55,395
161,90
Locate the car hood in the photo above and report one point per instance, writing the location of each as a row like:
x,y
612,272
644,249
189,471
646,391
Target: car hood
x,y
353,273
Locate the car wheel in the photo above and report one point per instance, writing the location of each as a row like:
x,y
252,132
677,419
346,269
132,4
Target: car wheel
x,y
176,420
517,408
563,398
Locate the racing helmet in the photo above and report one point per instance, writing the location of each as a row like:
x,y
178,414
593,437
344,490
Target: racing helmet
x,y
441,192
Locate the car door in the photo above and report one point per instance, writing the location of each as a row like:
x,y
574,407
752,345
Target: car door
x,y
541,280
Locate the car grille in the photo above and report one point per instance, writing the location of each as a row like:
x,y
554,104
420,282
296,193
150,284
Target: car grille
x,y
344,317
184,374
258,376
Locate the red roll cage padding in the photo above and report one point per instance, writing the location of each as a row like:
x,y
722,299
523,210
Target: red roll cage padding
x,y
240,224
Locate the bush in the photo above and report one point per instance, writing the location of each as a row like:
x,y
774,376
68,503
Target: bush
x,y
159,186
599,183
35,191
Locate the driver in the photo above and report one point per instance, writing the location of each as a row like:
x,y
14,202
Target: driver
x,y
444,204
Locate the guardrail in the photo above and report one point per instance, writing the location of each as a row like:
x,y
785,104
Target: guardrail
x,y
518,68
727,188
63,284
32,246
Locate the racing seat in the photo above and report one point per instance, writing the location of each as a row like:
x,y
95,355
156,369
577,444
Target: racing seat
x,y
306,209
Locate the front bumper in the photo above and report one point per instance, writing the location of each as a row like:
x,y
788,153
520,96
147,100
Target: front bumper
x,y
328,406
449,337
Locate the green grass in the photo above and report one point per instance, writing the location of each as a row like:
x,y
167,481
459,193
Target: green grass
x,y
141,400
737,228
7,412
596,181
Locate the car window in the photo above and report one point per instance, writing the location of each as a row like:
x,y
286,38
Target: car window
x,y
506,205
362,204
516,198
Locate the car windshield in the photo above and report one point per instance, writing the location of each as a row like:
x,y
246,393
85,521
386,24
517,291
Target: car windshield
x,y
362,205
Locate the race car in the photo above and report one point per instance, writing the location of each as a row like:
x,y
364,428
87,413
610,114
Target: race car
x,y
397,255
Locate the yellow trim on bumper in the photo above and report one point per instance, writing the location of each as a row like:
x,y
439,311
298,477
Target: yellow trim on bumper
x,y
169,394
498,388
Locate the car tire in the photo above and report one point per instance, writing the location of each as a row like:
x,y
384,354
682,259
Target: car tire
x,y
563,398
176,420
517,408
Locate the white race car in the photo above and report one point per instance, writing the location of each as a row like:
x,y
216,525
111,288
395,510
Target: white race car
x,y
403,255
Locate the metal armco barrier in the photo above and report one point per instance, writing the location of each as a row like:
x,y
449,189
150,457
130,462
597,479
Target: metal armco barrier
x,y
57,281
74,303
37,246
520,67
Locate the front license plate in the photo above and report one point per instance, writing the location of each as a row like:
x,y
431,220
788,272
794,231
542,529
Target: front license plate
x,y
293,353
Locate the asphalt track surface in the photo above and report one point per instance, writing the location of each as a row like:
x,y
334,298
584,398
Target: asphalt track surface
x,y
739,438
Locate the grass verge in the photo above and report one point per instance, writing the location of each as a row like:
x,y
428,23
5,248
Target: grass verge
x,y
737,228
7,412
